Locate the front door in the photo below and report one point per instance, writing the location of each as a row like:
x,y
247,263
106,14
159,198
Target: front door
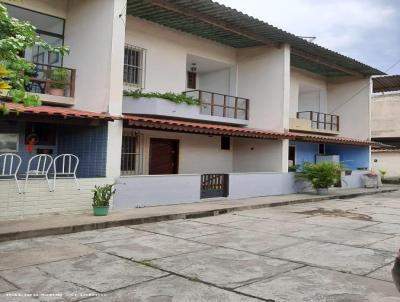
x,y
163,156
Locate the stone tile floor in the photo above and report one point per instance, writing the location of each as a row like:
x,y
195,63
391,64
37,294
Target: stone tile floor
x,y
336,251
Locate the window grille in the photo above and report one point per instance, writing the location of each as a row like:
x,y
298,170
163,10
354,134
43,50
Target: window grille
x,y
131,155
134,66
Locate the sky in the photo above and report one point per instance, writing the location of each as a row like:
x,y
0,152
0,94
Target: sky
x,y
366,30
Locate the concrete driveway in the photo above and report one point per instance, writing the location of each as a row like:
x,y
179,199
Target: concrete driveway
x,y
336,250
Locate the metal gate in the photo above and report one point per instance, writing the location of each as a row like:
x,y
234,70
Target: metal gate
x,y
214,185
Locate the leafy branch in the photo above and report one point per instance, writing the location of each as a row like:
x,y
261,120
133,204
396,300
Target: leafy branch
x,y
170,96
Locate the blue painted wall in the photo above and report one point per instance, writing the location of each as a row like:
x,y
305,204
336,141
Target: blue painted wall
x,y
88,143
353,157
305,152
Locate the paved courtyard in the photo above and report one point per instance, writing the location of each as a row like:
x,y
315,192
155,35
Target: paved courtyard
x,y
335,250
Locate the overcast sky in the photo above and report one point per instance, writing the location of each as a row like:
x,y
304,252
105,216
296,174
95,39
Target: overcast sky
x,y
366,30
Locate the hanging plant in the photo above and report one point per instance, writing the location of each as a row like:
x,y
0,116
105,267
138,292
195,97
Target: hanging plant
x,y
177,98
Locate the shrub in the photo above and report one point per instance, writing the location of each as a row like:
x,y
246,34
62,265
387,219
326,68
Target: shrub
x,y
170,96
102,195
60,75
321,175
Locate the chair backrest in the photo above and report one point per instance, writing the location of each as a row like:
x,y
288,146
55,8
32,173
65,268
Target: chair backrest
x,y
39,164
66,164
9,164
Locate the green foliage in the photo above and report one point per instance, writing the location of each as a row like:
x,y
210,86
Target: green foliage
x,y
170,96
15,37
102,195
321,175
59,74
382,173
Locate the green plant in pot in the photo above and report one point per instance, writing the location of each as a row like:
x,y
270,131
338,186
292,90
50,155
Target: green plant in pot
x,y
321,175
60,76
101,199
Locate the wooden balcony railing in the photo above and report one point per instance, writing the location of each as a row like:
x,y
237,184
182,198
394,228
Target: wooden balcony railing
x,y
54,80
320,121
222,105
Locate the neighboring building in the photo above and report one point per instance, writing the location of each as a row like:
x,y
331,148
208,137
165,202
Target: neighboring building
x,y
386,124
268,100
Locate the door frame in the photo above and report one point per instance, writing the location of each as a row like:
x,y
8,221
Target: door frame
x,y
176,141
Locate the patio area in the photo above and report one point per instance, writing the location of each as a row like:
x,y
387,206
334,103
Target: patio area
x,y
333,250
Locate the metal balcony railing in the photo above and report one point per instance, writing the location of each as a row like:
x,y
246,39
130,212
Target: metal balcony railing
x,y
54,80
217,104
320,121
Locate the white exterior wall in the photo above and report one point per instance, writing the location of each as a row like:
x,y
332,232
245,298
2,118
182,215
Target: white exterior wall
x,y
314,99
386,161
218,81
197,153
350,99
38,200
385,120
264,78
167,52
256,155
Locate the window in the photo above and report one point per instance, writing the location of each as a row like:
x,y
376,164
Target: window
x,y
292,158
131,160
225,143
191,80
134,66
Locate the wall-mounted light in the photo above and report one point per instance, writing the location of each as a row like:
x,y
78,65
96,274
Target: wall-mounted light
x,y
193,68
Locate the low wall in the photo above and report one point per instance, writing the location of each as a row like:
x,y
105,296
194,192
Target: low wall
x,y
354,180
243,185
38,200
153,190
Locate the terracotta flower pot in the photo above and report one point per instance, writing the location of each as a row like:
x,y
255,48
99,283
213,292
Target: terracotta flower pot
x,y
57,91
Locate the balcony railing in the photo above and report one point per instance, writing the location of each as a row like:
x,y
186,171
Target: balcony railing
x,y
217,104
53,80
320,121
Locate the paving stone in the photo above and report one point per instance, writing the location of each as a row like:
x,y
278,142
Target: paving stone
x,y
272,213
383,273
224,267
6,286
101,272
33,280
149,247
19,296
172,289
390,245
383,228
104,235
219,219
338,222
320,285
182,229
341,236
386,218
269,226
30,252
338,257
255,242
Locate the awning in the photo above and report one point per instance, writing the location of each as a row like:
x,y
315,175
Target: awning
x,y
143,122
57,112
213,21
386,83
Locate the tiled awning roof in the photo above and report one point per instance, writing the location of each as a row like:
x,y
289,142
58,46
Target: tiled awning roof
x,y
202,128
386,83
58,112
214,129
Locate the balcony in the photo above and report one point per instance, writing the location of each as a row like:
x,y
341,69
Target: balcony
x,y
318,122
53,84
214,107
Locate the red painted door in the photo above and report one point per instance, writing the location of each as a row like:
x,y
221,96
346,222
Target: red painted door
x,y
163,156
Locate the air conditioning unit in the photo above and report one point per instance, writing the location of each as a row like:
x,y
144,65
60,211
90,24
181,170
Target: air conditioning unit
x,y
327,158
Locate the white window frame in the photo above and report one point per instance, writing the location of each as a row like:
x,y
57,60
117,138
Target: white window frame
x,y
139,82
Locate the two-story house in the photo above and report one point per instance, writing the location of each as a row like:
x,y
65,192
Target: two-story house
x,y
261,100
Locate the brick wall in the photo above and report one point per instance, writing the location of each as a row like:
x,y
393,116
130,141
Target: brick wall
x,y
38,200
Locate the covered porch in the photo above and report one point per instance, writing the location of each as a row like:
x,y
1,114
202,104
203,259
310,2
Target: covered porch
x,y
37,136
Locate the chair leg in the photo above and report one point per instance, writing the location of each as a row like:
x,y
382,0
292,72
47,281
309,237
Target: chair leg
x,y
17,182
76,182
54,182
26,182
48,183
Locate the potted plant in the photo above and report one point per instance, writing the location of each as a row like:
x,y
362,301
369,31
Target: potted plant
x,y
101,199
321,175
60,76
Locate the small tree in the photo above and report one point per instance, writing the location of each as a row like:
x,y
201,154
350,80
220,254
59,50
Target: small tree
x,y
15,37
321,175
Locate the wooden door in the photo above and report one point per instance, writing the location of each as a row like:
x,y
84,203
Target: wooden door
x,y
163,156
